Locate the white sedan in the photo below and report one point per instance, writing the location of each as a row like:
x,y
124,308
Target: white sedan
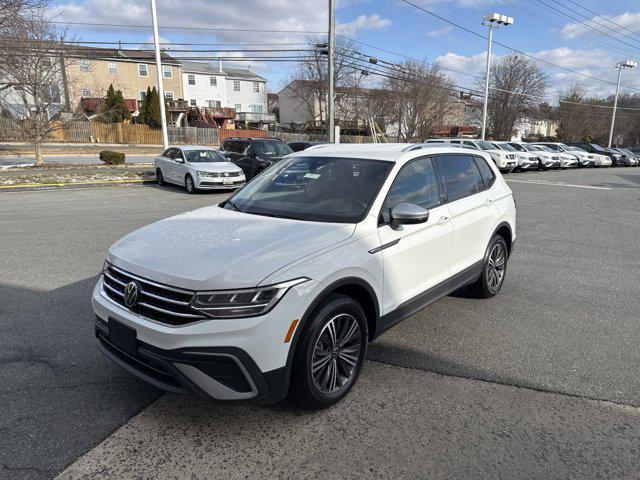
x,y
198,168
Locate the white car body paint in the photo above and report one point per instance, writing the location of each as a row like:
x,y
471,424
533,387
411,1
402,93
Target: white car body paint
x,y
212,249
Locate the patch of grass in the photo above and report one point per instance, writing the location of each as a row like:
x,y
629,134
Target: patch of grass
x,y
75,174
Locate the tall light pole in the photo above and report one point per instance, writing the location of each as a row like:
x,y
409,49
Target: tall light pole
x,y
619,66
156,42
491,20
330,74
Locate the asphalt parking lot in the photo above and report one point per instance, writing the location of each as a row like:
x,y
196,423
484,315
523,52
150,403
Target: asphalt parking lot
x,y
539,382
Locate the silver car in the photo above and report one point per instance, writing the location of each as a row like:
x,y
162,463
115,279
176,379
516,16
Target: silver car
x,y
198,168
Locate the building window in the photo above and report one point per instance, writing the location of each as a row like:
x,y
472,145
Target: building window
x,y
143,70
142,95
214,103
167,72
86,93
238,107
193,102
236,85
46,62
256,87
191,79
112,68
168,96
52,93
84,65
213,81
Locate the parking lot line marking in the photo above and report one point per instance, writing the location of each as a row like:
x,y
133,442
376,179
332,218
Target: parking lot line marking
x,y
559,184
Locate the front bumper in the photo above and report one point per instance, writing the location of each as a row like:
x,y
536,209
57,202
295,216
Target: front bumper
x,y
226,374
216,183
508,166
170,357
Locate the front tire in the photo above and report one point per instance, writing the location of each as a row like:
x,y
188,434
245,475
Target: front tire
x,y
494,269
160,177
330,353
189,185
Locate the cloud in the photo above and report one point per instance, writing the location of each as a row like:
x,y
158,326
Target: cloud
x,y
440,32
628,20
364,22
595,63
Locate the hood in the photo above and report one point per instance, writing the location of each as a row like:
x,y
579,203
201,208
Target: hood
x,y
215,167
270,158
212,248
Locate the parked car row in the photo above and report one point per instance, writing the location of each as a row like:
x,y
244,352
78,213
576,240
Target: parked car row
x,y
522,156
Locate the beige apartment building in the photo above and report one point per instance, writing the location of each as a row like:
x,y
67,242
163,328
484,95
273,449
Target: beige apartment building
x,y
90,71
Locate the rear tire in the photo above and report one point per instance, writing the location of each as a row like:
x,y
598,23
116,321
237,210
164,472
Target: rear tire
x,y
330,353
189,185
160,177
494,269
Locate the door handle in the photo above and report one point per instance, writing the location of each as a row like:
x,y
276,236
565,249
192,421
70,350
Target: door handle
x,y
443,220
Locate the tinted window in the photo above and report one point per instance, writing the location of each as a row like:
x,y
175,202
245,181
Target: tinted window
x,y
415,183
168,153
271,148
470,144
234,146
460,176
485,171
319,189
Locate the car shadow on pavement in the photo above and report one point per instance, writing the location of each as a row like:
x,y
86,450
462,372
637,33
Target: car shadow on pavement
x,y
58,395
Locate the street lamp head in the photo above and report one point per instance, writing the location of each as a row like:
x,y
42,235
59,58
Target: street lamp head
x,y
498,19
627,64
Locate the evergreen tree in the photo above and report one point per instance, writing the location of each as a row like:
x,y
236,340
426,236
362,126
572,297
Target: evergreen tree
x,y
152,115
144,107
121,111
109,104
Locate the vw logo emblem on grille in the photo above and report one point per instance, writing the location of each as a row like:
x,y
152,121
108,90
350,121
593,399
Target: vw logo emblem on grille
x,y
131,294
226,174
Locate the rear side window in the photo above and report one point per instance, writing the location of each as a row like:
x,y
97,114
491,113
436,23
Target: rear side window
x,y
487,175
416,183
234,146
460,176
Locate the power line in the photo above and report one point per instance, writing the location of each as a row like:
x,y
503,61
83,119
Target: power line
x,y
586,25
563,27
177,27
605,18
515,50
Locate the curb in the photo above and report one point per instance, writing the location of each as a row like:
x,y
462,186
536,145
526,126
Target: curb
x,y
75,185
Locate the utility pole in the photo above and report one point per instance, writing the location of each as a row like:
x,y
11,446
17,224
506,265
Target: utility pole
x,y
331,74
619,66
491,21
156,42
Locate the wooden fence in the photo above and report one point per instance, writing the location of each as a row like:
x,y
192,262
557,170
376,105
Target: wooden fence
x,y
117,133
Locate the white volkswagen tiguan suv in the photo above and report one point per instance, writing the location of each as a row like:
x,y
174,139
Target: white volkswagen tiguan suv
x,y
277,291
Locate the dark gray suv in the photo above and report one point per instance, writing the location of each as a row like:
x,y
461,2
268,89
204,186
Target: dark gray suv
x,y
253,155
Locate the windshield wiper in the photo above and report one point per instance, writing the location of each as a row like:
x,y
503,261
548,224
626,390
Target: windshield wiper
x,y
274,215
235,207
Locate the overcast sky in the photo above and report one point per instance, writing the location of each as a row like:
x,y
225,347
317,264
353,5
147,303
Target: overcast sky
x,y
392,25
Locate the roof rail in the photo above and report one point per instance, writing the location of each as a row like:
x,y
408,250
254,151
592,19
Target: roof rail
x,y
420,146
317,147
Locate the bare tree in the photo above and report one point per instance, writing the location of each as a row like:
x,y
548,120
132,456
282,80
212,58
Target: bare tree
x,y
518,85
12,10
419,98
32,74
308,83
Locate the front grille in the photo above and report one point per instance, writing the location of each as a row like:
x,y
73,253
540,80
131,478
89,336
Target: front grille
x,y
220,184
223,174
155,301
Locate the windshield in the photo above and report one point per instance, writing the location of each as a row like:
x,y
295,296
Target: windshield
x,y
530,148
598,148
485,145
544,148
271,148
507,147
552,147
518,147
317,189
571,148
203,156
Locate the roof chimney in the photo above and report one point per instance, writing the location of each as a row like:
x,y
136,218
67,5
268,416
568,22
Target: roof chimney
x,y
220,65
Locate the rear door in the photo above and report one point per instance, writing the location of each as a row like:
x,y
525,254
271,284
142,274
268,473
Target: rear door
x,y
165,162
471,203
415,257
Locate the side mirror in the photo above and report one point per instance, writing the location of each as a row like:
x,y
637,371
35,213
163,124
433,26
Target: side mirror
x,y
179,160
408,214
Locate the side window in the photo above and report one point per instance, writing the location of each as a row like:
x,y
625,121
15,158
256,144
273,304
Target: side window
x,y
249,151
177,154
460,176
168,152
488,177
470,144
415,183
230,146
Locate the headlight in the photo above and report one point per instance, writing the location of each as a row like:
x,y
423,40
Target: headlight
x,y
241,303
207,174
